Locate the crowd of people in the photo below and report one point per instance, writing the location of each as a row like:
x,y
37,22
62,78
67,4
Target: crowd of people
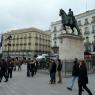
x,y
7,66
32,66
79,71
53,68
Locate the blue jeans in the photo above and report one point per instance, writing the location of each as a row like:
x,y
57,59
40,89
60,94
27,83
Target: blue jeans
x,y
52,76
73,81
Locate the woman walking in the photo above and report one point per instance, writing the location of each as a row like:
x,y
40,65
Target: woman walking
x,y
59,69
83,78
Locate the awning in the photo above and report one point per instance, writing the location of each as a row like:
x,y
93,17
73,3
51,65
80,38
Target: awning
x,y
87,53
92,53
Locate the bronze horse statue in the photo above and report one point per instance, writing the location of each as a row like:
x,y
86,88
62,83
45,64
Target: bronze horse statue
x,y
65,22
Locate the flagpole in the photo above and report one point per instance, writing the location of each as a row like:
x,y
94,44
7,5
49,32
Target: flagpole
x,y
86,5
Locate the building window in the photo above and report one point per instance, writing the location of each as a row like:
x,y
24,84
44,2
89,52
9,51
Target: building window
x,y
21,37
93,19
61,28
29,37
36,44
61,40
86,30
80,30
55,36
24,44
54,29
17,37
87,39
94,38
86,21
93,48
54,43
93,29
88,48
79,23
40,37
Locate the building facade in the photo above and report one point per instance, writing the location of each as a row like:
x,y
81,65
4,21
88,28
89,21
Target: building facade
x,y
26,42
86,22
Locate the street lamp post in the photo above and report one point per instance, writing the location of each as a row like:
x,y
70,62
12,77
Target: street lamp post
x,y
9,44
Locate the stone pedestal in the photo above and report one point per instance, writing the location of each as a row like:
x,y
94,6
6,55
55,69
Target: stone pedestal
x,y
70,47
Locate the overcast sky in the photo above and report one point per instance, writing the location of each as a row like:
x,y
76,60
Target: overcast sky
x,y
15,14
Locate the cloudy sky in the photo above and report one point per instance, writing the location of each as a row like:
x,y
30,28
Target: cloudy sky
x,y
16,14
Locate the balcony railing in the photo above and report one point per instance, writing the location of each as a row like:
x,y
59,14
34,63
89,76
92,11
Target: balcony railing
x,y
86,32
55,46
86,23
93,21
54,38
93,31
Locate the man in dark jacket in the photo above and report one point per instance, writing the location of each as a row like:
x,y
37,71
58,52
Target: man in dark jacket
x,y
75,73
28,67
10,68
53,72
4,68
59,69
83,78
0,69
32,67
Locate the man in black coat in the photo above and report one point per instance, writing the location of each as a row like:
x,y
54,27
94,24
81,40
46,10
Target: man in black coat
x,y
53,72
32,67
28,67
0,69
59,69
75,73
83,78
10,68
4,68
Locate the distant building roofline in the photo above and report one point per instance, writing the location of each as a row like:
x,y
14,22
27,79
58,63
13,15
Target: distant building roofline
x,y
23,30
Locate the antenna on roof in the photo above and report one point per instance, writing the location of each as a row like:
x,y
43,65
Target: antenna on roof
x,y
86,5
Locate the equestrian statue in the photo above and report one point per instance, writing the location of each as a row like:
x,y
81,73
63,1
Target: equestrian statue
x,y
69,20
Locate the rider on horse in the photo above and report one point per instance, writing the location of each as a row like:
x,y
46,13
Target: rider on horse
x,y
71,17
69,20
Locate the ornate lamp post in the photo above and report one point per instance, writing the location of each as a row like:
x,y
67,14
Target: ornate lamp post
x,y
9,43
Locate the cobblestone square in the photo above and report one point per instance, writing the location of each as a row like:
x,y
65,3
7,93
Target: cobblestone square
x,y
39,85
